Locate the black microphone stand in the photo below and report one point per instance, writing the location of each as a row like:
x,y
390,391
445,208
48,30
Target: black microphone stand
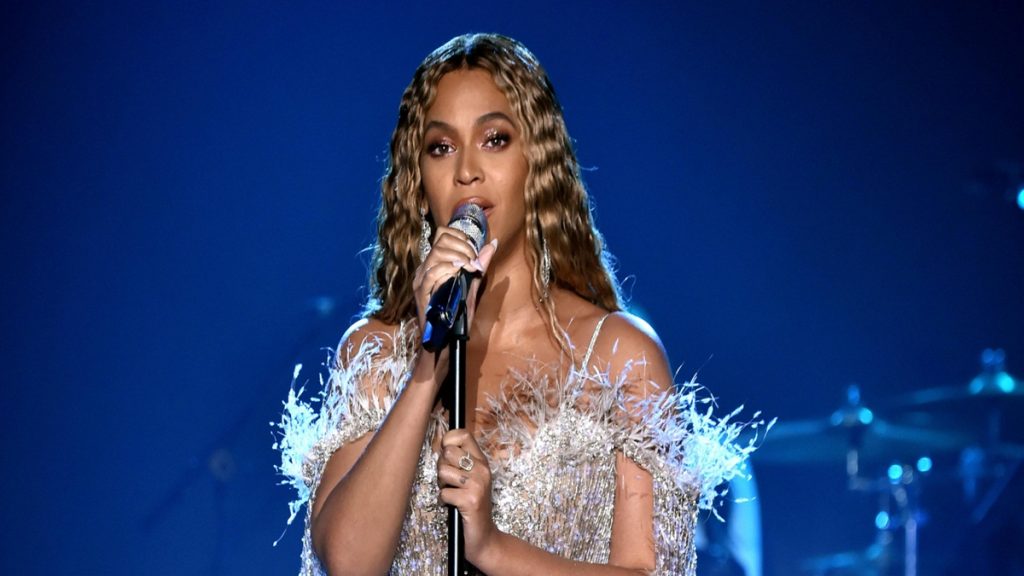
x,y
455,399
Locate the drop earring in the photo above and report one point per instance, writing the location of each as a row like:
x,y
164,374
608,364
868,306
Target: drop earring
x,y
545,268
425,235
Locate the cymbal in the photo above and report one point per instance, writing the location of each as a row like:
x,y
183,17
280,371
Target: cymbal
x,y
828,440
992,384
989,409
998,387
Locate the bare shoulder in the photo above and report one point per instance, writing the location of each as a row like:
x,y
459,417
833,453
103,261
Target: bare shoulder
x,y
627,343
364,331
630,335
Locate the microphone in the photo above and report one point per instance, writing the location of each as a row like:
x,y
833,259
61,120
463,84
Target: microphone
x,y
448,302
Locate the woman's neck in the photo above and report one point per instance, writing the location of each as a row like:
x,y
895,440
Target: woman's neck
x,y
508,298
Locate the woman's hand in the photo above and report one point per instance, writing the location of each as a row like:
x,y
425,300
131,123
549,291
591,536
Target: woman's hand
x,y
464,476
452,251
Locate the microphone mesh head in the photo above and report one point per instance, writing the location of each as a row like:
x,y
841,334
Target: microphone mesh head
x,y
471,220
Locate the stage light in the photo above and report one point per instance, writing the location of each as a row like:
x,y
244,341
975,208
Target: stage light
x,y
924,464
882,520
1020,198
895,473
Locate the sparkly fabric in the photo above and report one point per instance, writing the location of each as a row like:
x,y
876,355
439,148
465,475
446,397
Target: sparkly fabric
x,y
552,449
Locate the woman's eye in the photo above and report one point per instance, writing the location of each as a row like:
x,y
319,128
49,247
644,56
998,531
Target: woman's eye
x,y
440,149
497,140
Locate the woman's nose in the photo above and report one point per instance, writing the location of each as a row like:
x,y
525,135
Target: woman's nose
x,y
468,169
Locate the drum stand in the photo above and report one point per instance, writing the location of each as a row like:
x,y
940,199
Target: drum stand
x,y
899,489
899,495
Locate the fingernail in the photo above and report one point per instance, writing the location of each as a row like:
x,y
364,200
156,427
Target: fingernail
x,y
458,263
476,263
494,243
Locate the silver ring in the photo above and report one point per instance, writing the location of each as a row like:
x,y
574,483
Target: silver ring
x,y
466,462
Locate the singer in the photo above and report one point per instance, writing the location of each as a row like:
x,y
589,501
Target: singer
x,y
580,455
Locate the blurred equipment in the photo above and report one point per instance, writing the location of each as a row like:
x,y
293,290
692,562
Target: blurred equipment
x,y
733,547
993,542
990,408
853,433
856,434
990,411
976,430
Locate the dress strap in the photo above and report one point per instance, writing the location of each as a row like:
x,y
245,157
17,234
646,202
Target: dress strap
x,y
593,340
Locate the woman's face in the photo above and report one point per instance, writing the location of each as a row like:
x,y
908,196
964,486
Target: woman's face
x,y
473,151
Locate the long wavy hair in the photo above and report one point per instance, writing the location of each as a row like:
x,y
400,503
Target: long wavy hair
x,y
558,209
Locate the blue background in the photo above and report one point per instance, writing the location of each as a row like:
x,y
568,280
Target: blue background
x,y
800,196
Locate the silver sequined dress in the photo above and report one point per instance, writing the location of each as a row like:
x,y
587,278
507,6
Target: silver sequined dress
x,y
552,448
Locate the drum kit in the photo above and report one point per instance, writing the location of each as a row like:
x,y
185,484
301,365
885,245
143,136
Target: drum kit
x,y
976,430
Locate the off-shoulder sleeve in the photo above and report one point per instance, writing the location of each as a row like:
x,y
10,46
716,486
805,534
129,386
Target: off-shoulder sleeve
x,y
547,431
691,453
678,430
354,397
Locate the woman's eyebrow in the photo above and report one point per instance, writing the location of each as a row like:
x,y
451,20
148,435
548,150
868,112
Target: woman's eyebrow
x,y
440,124
494,116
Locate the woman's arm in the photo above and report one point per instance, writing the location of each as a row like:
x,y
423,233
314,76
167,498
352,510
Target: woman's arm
x,y
360,504
499,554
357,514
632,545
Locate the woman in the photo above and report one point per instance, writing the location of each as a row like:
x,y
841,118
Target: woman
x,y
581,457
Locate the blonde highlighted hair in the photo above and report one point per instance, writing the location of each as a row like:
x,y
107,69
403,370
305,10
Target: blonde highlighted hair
x,y
558,209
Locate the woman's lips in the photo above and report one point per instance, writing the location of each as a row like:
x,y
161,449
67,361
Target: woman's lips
x,y
487,206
